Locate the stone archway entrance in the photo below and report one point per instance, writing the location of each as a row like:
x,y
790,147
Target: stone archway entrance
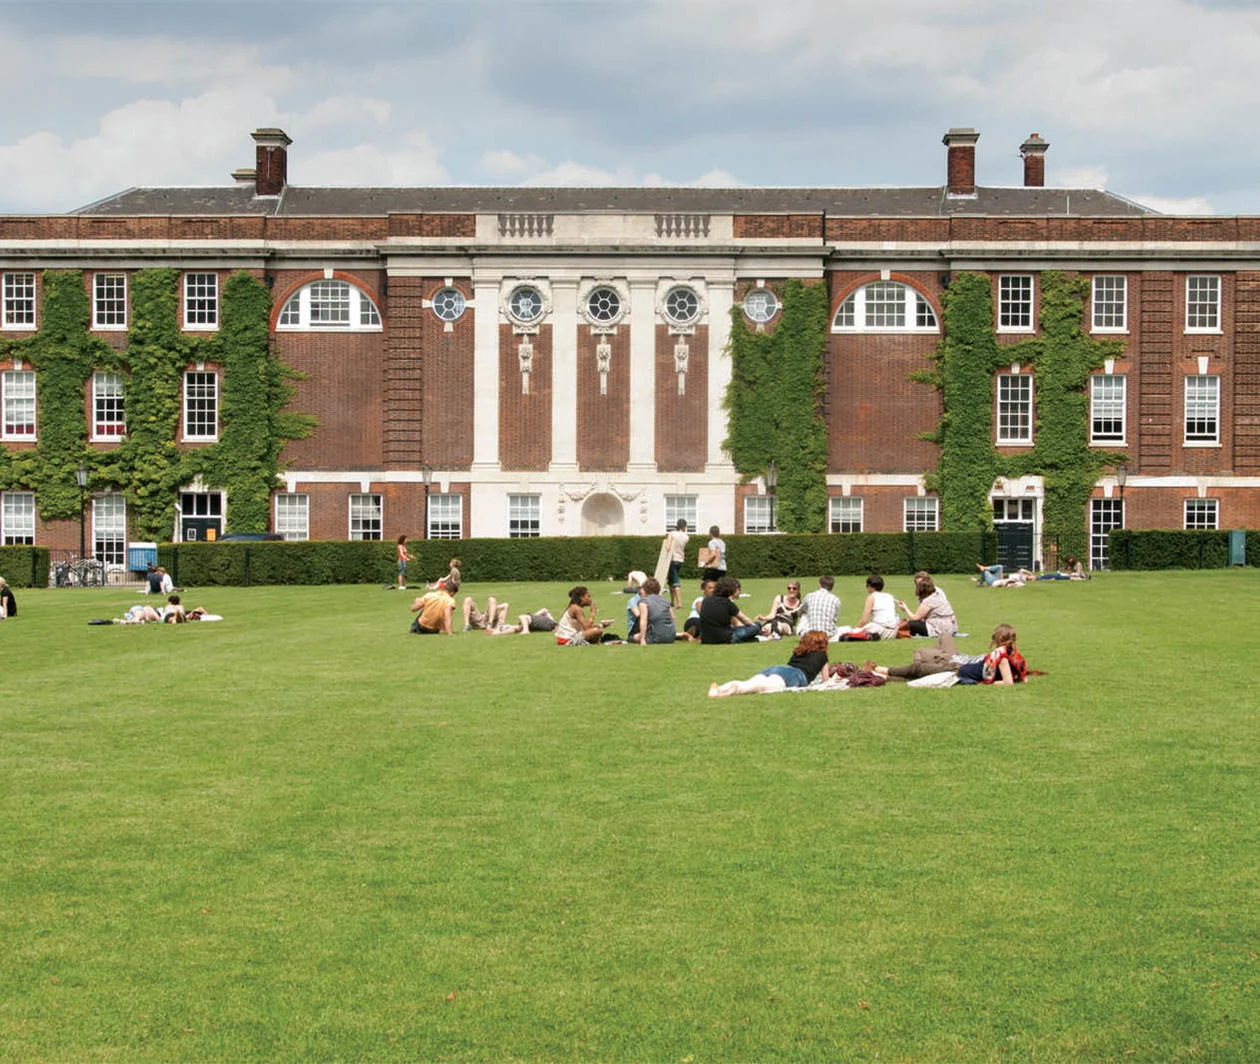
x,y
603,515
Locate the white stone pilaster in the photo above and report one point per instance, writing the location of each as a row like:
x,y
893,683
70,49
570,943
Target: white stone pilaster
x,y
721,296
486,376
564,369
642,377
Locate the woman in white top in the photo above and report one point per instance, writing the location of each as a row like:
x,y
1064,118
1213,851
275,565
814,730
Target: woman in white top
x,y
879,615
935,616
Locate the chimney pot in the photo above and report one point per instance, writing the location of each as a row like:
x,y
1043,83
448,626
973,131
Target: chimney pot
x,y
245,175
960,164
272,161
1034,152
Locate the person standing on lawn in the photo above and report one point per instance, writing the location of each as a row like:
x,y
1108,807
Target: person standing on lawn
x,y
404,556
677,544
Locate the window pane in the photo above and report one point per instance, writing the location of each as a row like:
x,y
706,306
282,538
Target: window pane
x,y
1203,302
846,513
365,517
110,303
17,517
108,409
1109,302
1104,515
885,305
920,514
18,387
1202,407
109,529
524,516
680,507
330,303
1015,408
201,299
293,515
19,301
758,514
1015,302
1201,513
201,406
446,516
1107,407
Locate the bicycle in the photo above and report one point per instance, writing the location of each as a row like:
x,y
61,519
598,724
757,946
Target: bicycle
x,y
81,572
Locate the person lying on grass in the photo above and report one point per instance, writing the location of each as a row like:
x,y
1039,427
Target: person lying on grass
x,y
807,661
172,613
1003,664
538,621
435,609
495,615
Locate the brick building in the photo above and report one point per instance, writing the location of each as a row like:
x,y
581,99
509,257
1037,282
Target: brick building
x,y
555,359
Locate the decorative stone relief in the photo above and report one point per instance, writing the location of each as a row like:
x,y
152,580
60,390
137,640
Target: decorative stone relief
x,y
525,356
682,353
603,362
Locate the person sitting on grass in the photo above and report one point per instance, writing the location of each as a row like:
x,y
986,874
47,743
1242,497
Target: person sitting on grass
x,y
1003,664
691,626
435,609
879,612
934,615
785,612
577,625
451,581
655,620
173,612
822,607
8,604
719,614
807,661
495,615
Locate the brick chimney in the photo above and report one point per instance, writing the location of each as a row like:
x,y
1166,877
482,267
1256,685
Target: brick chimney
x,y
272,161
961,161
1034,152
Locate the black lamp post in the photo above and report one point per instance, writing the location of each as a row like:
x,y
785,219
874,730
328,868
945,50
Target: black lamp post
x,y
1122,477
772,480
426,474
81,477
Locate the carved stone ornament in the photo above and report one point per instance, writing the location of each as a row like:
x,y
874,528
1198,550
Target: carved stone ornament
x,y
578,493
626,495
525,356
603,361
682,354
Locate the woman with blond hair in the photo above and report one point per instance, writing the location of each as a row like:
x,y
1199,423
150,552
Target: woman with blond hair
x,y
806,662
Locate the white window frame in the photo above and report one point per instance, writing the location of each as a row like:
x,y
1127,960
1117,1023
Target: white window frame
x,y
1203,303
362,314
201,302
1201,515
524,516
1015,412
760,305
1104,516
1016,303
109,528
17,518
1108,408
366,516
921,513
19,397
838,518
1109,303
759,515
862,312
448,304
1202,393
293,515
203,376
446,516
684,507
109,305
20,311
109,396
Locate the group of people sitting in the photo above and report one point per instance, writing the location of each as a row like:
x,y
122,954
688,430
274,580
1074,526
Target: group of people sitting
x,y
1001,664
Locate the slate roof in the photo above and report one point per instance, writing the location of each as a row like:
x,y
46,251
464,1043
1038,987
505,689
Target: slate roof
x,y
838,202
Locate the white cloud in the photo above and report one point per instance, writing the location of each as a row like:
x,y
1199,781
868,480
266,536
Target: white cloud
x,y
1174,205
350,111
1079,177
503,163
415,162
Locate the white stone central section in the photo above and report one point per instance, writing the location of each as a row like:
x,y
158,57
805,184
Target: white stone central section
x,y
486,376
721,297
642,377
564,371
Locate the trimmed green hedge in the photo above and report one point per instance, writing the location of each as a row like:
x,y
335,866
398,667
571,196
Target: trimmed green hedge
x,y
1175,549
580,560
24,566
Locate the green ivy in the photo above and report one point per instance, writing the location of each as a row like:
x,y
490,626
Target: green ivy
x,y
148,466
1063,357
774,405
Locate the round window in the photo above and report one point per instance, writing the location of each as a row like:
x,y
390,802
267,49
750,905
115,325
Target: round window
x,y
603,305
448,304
682,305
761,305
526,304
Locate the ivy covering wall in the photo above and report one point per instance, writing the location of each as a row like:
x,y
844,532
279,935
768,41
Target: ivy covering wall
x,y
148,467
1062,357
774,403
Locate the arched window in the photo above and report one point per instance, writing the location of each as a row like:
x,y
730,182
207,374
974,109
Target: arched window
x,y
331,305
885,306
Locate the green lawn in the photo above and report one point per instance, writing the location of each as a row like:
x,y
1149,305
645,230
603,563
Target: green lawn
x,y
304,835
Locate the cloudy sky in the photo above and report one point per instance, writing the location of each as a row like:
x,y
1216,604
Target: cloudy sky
x,y
1153,99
